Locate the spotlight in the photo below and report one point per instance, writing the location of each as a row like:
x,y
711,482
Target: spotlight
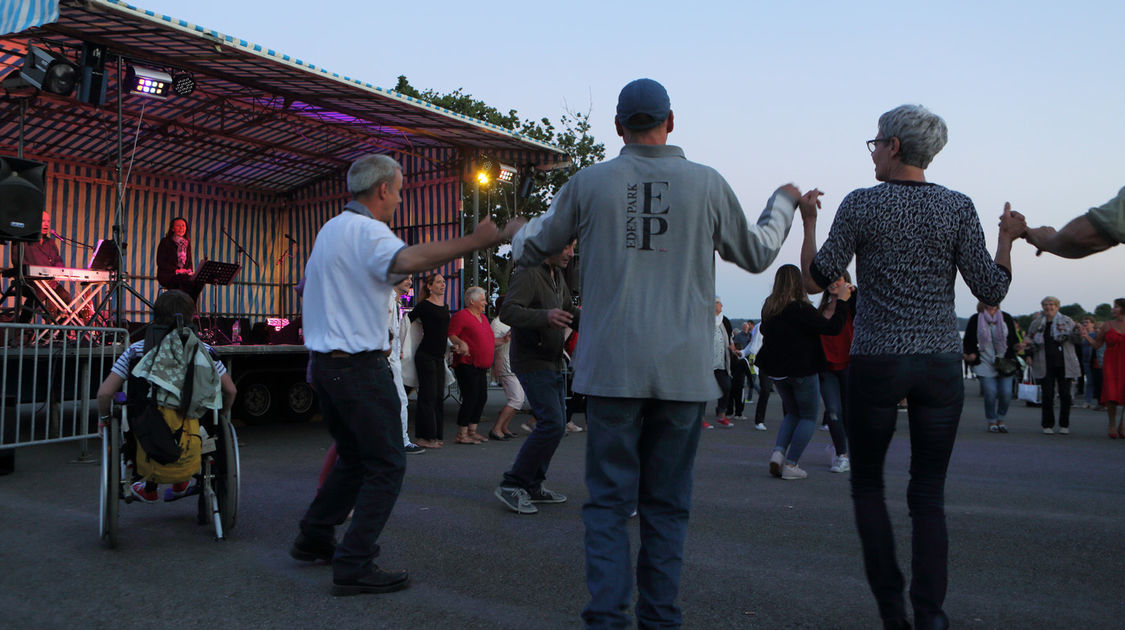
x,y
147,82
490,169
48,71
183,83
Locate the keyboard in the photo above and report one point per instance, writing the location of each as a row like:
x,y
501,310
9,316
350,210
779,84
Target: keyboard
x,y
66,274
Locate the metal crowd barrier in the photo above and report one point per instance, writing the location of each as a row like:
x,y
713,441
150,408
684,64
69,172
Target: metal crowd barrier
x,y
49,377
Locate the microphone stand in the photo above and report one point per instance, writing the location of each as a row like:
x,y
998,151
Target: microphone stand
x,y
242,252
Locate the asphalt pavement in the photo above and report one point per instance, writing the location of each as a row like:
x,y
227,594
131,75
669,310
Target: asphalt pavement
x,y
1036,525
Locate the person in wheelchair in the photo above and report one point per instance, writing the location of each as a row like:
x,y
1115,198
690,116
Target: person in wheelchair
x,y
150,365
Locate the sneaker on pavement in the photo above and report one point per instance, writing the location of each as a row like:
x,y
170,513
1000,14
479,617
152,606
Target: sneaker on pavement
x,y
516,499
761,426
378,581
1048,431
181,490
725,423
824,427
842,464
543,495
307,549
527,428
414,449
707,425
792,471
570,426
1064,430
776,459
143,493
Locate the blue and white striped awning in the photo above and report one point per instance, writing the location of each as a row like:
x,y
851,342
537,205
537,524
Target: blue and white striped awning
x,y
19,15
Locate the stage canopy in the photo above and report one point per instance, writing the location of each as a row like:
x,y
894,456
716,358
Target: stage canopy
x,y
257,119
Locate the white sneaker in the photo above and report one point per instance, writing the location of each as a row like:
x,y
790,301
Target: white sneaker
x,y
1064,430
842,464
1048,431
824,427
776,459
792,472
761,426
574,428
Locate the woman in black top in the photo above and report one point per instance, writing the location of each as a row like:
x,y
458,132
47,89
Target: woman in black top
x,y
792,356
429,361
174,261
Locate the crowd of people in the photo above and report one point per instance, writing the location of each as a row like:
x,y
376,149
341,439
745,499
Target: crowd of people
x,y
656,219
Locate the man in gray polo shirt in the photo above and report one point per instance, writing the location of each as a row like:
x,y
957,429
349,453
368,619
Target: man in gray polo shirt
x,y
353,265
650,223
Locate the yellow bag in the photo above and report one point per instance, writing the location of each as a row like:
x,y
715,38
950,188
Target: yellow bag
x,y
190,446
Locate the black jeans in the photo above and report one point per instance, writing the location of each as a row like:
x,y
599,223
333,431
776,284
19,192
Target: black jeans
x,y
430,412
361,409
765,388
473,383
935,393
723,379
1055,376
740,369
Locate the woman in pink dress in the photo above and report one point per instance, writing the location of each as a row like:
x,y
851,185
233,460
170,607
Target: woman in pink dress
x,y
1112,334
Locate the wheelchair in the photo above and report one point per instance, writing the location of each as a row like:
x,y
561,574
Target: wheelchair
x,y
218,480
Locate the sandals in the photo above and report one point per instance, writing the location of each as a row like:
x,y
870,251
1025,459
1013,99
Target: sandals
x,y
465,439
478,437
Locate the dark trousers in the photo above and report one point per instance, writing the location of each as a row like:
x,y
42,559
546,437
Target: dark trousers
x,y
1055,376
723,379
473,383
361,409
765,388
739,369
935,393
429,416
545,393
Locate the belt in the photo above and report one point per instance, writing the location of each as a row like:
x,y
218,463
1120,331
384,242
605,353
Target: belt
x,y
340,354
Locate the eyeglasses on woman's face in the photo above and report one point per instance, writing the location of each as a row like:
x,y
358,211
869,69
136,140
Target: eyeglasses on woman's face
x,y
871,144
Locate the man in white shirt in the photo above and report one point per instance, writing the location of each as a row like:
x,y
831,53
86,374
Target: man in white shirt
x,y
353,265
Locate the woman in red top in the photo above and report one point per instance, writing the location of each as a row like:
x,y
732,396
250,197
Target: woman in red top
x,y
1112,334
834,378
473,350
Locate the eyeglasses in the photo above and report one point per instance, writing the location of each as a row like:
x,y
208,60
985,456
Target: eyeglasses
x,y
871,143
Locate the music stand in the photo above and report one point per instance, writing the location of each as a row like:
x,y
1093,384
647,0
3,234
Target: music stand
x,y
215,272
105,257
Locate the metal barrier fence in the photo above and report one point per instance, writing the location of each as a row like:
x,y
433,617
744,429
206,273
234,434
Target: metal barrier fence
x,y
49,377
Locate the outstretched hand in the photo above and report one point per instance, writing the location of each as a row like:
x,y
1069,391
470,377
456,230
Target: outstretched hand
x,y
1012,224
490,234
809,203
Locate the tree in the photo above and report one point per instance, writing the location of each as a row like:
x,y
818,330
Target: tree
x,y
1103,312
572,135
1073,311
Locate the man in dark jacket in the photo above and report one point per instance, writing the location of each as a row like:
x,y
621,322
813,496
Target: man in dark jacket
x,y
539,308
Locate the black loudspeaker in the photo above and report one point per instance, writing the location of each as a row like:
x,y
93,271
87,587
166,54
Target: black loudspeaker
x,y
22,199
91,84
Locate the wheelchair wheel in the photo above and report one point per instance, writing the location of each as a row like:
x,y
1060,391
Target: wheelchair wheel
x,y
111,483
227,479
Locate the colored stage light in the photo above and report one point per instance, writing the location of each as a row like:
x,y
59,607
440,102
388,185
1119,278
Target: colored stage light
x,y
490,169
147,82
183,83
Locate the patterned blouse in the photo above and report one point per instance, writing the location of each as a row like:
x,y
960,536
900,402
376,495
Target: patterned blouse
x,y
909,239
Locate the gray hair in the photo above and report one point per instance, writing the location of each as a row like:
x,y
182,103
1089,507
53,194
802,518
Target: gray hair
x,y
921,133
1050,299
368,172
472,292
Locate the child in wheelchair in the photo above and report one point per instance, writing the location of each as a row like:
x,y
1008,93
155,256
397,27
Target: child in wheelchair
x,y
182,380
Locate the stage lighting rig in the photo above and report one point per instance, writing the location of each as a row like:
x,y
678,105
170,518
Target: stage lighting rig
x,y
490,169
147,82
48,71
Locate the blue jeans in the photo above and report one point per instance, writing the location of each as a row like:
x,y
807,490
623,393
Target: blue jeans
x,y
833,390
361,408
800,396
934,388
545,390
997,392
639,452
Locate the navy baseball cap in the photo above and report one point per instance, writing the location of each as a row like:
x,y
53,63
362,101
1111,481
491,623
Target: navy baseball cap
x,y
643,96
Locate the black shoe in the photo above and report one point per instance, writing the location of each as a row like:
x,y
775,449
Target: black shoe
x,y
378,581
936,621
414,449
899,623
543,495
309,550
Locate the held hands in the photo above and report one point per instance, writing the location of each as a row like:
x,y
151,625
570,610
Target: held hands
x,y
1013,225
559,318
489,234
809,203
841,290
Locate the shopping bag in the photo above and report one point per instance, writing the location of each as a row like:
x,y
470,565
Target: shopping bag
x,y
1029,392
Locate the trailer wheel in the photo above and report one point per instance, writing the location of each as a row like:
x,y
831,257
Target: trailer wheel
x,y
300,401
255,400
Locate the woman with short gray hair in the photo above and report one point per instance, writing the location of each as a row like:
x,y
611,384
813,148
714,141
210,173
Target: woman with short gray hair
x,y
1054,362
909,238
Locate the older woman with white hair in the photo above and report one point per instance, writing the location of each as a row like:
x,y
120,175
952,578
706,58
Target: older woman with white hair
x,y
910,238
473,351
1054,361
